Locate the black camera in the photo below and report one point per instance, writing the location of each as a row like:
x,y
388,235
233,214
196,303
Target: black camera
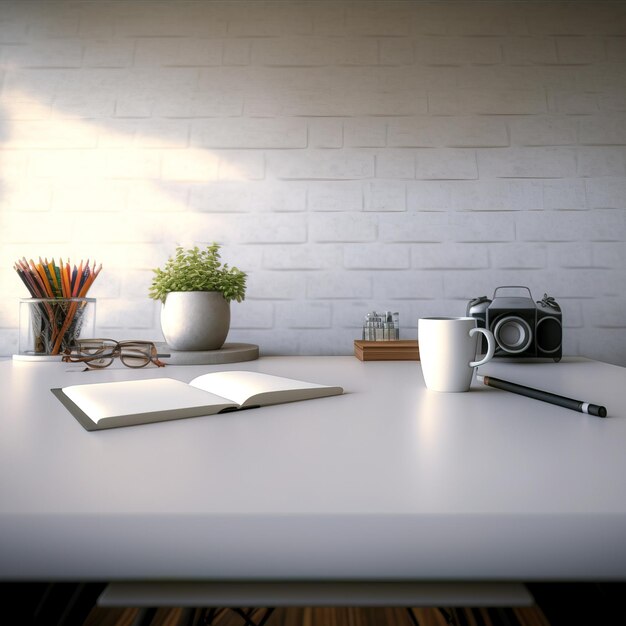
x,y
521,327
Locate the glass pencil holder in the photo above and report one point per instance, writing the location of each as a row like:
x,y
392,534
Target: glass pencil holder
x,y
48,326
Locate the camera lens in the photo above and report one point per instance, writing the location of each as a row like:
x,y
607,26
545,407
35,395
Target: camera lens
x,y
513,334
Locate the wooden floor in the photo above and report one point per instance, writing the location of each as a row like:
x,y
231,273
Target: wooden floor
x,y
527,616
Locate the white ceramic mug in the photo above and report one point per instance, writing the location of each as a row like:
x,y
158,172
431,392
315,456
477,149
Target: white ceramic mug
x,y
447,348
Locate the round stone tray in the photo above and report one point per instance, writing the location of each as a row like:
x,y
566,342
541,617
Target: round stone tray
x,y
228,353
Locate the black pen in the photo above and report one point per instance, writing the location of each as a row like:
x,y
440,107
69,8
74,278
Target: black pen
x,y
546,396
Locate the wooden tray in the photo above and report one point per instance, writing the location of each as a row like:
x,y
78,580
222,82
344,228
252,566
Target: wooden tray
x,y
403,350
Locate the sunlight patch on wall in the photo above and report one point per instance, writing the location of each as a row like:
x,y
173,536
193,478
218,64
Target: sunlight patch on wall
x,y
65,169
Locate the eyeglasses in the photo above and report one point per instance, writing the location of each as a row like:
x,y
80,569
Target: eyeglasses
x,y
100,353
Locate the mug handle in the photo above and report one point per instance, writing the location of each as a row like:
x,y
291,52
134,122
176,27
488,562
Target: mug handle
x,y
491,345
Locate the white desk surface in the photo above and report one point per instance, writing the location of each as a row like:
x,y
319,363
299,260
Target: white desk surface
x,y
387,482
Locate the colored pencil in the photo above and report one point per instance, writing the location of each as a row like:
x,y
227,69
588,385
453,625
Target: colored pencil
x,y
51,277
73,280
48,277
77,281
37,277
68,274
90,279
57,275
21,274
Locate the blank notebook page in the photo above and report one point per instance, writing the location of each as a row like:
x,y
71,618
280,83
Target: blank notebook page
x,y
241,385
101,400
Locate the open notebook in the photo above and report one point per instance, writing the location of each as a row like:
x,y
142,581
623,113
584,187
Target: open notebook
x,y
109,405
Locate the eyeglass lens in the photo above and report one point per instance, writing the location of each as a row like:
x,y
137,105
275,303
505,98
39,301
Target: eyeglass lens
x,y
98,353
136,353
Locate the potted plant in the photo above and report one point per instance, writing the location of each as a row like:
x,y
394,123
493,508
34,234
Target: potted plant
x,y
195,289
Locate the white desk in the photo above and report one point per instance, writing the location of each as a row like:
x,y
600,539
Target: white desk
x,y
389,482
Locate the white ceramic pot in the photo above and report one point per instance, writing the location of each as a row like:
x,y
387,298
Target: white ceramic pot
x,y
195,320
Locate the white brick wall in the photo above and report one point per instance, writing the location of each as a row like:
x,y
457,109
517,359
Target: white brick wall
x,y
349,156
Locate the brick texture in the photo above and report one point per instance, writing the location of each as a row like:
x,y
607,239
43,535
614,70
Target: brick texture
x,y
348,155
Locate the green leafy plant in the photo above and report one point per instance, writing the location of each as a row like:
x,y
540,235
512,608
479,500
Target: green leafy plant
x,y
198,270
